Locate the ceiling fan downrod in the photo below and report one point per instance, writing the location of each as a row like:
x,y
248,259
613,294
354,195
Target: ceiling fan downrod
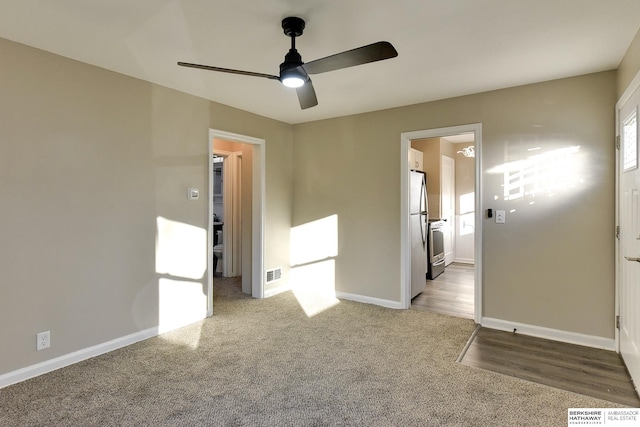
x,y
291,73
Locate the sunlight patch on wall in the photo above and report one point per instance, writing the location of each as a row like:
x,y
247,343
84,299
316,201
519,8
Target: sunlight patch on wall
x,y
314,241
466,224
544,174
314,286
467,203
466,220
181,249
180,303
313,247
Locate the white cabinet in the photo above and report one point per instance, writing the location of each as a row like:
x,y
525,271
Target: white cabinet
x,y
415,159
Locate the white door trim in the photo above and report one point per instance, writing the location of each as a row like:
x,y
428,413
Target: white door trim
x,y
405,238
257,214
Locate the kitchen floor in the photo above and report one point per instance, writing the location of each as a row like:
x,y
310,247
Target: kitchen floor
x,y
450,293
589,371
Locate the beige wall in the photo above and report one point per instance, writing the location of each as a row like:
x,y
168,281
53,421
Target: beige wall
x,y
430,148
465,174
90,159
433,149
230,146
447,148
545,266
91,164
630,65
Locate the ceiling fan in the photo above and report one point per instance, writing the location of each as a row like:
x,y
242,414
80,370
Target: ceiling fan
x,y
295,73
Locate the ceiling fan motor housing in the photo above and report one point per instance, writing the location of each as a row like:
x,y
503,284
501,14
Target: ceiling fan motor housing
x,y
293,26
291,60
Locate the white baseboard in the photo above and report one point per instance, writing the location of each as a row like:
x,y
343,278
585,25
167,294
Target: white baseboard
x,y
343,295
369,300
550,334
275,291
25,373
464,260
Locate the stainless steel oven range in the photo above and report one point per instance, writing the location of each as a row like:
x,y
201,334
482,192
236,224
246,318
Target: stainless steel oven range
x,y
435,252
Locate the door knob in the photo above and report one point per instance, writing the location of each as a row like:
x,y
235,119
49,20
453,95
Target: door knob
x,y
632,259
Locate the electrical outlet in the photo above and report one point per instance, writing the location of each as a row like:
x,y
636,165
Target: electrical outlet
x,y
500,217
43,340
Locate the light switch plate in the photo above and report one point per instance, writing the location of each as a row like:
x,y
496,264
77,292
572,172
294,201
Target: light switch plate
x,y
501,217
193,194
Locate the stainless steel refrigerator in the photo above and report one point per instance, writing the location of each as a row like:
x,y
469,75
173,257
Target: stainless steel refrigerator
x,y
418,218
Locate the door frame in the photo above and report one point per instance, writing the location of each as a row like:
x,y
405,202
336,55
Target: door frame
x,y
405,237
624,98
258,190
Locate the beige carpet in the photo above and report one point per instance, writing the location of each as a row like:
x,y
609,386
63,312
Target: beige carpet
x,y
265,363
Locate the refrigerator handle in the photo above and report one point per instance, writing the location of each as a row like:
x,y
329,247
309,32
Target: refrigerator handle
x,y
423,194
424,212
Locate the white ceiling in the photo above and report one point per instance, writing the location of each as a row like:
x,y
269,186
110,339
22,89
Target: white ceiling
x,y
446,48
462,138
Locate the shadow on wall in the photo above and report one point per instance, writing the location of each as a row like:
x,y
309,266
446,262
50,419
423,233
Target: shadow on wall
x,y
314,247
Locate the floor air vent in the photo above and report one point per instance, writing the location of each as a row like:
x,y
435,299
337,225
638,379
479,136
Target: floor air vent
x,y
274,274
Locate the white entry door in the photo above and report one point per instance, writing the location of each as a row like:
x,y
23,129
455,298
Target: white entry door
x,y
448,200
629,222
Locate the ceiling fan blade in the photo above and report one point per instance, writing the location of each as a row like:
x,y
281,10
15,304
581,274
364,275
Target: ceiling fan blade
x,y
307,95
361,55
228,70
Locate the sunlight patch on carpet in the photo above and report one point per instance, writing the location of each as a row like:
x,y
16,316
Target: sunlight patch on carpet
x,y
314,286
180,303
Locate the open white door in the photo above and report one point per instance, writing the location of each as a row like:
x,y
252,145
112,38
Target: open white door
x,y
629,245
448,209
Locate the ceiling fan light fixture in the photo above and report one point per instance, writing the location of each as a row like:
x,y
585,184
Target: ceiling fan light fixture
x,y
292,81
293,77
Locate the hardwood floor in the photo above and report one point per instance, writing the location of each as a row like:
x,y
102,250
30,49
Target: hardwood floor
x,y
589,371
592,372
450,293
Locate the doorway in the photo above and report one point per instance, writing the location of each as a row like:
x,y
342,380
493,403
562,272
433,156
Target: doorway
x,y
253,249
227,209
467,214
